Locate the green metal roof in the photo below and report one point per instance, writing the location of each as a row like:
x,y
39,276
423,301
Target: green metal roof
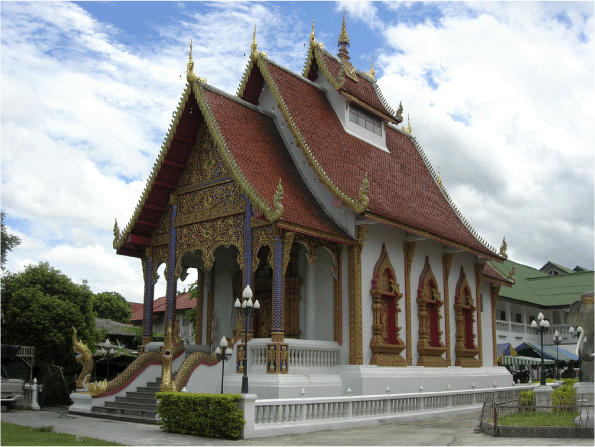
x,y
535,287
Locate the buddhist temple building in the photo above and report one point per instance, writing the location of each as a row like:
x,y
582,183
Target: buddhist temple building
x,y
309,188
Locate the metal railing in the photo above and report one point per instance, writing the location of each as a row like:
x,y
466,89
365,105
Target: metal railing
x,y
498,414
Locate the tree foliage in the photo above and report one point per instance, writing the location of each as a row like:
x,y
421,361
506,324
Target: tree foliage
x,y
8,241
40,305
111,305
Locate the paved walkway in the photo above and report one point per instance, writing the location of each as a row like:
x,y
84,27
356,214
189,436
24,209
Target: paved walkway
x,y
448,430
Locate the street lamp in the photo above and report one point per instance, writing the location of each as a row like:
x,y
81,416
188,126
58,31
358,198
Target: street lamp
x,y
246,307
107,349
223,353
541,327
557,340
579,331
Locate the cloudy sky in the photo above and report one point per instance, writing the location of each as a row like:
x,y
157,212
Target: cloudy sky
x,y
500,97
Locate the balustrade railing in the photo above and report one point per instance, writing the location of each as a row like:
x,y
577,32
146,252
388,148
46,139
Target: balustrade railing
x,y
518,327
276,411
502,326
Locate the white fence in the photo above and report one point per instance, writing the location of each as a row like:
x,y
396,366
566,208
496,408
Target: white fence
x,y
269,417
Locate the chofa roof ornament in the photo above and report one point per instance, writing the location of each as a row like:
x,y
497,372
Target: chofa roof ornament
x,y
190,76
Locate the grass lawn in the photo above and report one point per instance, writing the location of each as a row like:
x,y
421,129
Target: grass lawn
x,y
561,418
13,434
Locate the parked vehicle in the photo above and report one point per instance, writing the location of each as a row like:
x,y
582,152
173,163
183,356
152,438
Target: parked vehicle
x,y
12,390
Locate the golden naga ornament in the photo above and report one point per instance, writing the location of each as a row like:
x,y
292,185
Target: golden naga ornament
x,y
85,358
167,354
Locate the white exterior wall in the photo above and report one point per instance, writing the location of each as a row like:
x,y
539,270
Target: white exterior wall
x,y
344,353
377,234
223,301
324,296
486,325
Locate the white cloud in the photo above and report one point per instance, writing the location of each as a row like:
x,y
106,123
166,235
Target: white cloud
x,y
501,100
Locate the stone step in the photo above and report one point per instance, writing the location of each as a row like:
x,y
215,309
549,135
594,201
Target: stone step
x,y
136,399
131,406
97,413
146,390
126,412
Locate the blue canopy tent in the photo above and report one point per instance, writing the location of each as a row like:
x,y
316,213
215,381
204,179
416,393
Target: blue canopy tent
x,y
531,350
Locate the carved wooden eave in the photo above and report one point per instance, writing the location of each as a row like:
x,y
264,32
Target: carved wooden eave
x,y
257,66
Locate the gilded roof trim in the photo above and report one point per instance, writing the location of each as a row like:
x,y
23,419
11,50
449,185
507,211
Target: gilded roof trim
x,y
236,173
120,238
442,189
359,205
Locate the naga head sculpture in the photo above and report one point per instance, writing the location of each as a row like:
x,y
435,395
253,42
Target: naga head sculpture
x,y
581,314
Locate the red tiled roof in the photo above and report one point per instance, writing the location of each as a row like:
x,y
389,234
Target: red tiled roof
x,y
401,186
256,145
363,89
183,302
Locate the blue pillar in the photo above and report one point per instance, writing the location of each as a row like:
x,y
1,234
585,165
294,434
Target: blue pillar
x,y
247,273
278,293
171,292
148,301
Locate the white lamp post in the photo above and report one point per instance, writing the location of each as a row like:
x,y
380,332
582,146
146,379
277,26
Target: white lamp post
x,y
246,307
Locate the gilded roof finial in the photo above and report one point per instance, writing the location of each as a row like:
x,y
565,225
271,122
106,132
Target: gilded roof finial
x,y
511,274
312,33
343,41
254,46
190,76
400,112
438,177
372,71
407,129
503,248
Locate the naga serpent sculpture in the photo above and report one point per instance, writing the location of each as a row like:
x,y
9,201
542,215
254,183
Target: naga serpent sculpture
x,y
84,357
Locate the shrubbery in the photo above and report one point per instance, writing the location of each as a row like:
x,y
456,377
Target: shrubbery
x,y
527,398
209,415
564,396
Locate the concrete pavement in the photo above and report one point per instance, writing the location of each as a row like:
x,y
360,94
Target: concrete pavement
x,y
448,430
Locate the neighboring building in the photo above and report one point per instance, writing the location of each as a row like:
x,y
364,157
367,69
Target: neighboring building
x,y
305,187
550,290
183,304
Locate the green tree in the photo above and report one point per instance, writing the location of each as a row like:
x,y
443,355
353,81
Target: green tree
x,y
111,305
40,305
8,241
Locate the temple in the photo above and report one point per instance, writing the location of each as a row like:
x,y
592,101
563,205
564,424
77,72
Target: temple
x,y
308,188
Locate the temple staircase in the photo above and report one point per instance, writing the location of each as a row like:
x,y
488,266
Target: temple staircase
x,y
136,406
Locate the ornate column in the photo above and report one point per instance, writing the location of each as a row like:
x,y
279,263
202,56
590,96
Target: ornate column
x,y
277,354
494,292
148,297
247,273
408,252
446,263
171,291
200,282
478,306
355,297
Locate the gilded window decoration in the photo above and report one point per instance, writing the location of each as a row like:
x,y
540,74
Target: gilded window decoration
x,y
429,302
465,348
386,345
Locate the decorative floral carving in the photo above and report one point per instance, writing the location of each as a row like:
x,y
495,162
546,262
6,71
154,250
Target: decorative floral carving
x,y
355,297
409,252
204,162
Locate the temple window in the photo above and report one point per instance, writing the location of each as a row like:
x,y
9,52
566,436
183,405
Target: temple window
x,y
364,119
465,347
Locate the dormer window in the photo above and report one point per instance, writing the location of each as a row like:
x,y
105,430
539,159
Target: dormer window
x,y
364,119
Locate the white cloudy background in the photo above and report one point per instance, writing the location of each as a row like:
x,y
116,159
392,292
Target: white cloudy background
x,y
500,96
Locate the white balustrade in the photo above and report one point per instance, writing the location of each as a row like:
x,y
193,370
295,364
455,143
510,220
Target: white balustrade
x,y
283,411
502,326
518,327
